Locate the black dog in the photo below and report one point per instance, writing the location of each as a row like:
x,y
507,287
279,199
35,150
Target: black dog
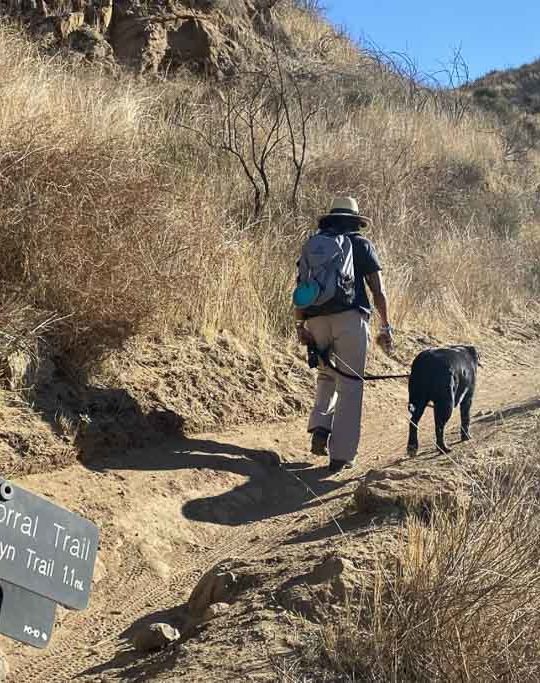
x,y
447,378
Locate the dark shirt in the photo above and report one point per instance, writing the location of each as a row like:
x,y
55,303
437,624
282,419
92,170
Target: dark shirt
x,y
365,257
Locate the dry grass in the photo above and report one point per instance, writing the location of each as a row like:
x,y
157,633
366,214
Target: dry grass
x,y
461,599
83,209
316,39
116,218
20,330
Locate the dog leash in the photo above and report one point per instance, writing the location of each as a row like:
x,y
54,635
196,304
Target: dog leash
x,y
375,378
328,362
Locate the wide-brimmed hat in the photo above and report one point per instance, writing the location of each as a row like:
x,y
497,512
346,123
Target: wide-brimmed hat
x,y
347,206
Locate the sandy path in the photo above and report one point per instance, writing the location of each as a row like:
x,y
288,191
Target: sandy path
x,y
168,514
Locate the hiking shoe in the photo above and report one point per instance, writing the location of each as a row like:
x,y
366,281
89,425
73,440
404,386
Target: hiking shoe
x,y
319,442
338,465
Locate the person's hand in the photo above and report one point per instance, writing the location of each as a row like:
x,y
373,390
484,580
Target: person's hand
x,y
304,335
385,339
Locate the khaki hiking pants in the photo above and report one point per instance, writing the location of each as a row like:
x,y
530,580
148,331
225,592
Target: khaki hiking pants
x,y
338,404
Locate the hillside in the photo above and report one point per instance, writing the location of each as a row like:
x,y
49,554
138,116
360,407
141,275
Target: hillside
x,y
160,165
519,88
512,97
426,175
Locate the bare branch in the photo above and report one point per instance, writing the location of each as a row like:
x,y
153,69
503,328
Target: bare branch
x,y
264,115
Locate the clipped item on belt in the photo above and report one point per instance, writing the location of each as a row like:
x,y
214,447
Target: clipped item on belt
x,y
316,357
327,360
312,356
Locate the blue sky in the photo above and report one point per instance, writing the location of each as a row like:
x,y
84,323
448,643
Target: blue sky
x,y
492,34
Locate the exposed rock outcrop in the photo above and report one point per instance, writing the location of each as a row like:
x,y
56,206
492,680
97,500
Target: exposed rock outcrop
x,y
214,37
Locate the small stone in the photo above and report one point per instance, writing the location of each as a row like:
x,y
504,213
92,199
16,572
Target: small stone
x,y
331,568
100,570
215,610
215,586
152,637
333,581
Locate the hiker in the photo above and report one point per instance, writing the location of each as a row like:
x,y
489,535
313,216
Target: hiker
x,y
332,312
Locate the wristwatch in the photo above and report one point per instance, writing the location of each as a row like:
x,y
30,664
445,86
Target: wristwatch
x,y
387,328
300,323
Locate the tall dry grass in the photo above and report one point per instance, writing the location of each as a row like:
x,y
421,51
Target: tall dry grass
x,y
460,600
118,219
83,209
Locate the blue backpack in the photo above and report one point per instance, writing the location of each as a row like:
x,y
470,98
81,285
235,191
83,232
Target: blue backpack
x,y
325,282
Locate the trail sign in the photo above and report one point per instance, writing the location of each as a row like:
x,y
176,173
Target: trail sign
x,y
25,616
45,548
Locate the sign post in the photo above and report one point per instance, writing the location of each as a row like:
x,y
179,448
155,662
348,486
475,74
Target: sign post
x,y
47,557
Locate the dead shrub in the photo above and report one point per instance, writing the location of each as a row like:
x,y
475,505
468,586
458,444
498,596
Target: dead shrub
x,y
83,235
84,208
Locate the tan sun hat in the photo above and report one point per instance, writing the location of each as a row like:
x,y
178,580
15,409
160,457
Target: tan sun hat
x,y
347,206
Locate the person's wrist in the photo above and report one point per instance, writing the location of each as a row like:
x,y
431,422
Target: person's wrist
x,y
387,328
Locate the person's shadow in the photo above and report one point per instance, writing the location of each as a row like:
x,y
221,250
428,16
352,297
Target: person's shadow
x,y
270,487
111,421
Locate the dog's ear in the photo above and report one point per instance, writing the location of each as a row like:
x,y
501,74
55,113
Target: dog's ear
x,y
475,355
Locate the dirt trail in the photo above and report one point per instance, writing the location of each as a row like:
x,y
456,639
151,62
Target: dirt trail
x,y
168,514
